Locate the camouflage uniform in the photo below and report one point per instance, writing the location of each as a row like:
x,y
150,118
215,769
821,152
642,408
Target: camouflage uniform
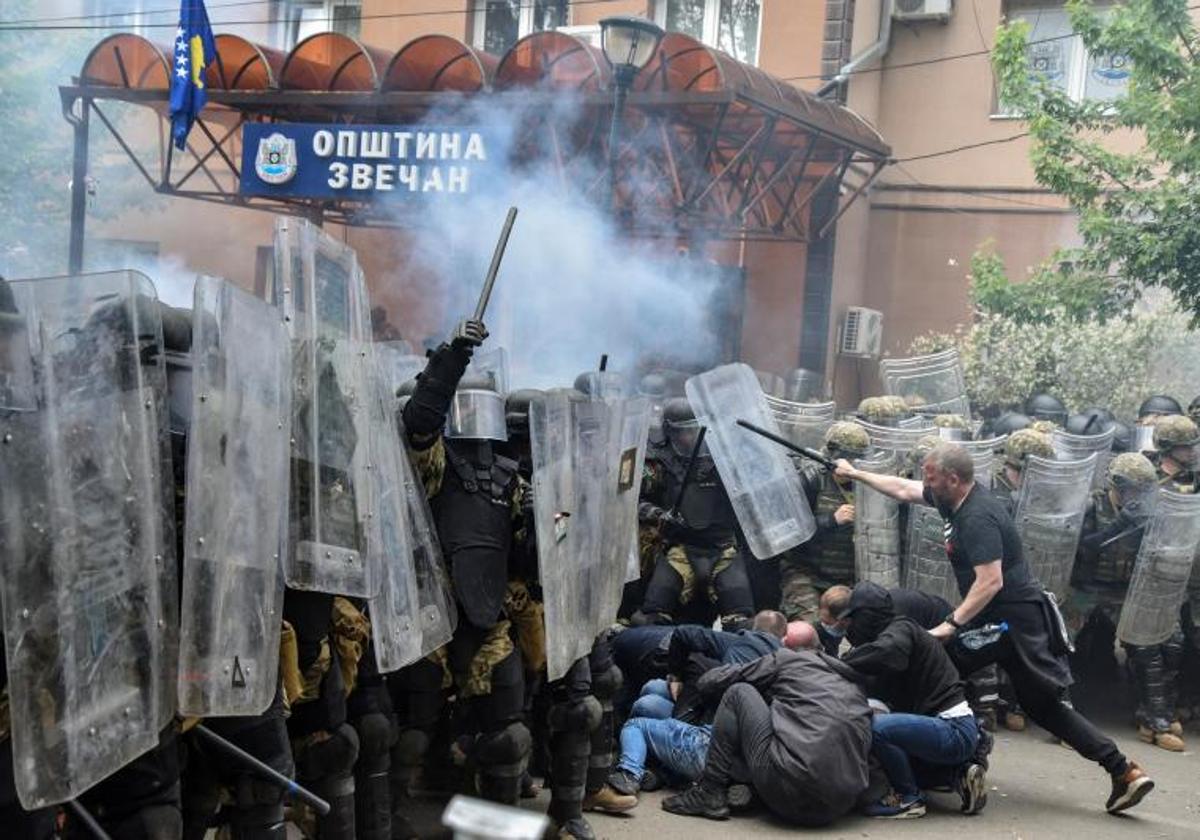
x,y
828,558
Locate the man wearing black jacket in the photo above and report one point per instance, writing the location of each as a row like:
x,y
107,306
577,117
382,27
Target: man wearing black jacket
x,y
930,720
796,727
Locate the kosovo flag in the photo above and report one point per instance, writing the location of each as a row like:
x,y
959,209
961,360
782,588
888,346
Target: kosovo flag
x,y
194,51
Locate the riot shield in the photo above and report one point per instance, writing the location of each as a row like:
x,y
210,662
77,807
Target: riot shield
x,y
772,384
804,424
805,386
876,527
327,307
90,595
573,440
1049,516
437,616
1160,576
983,454
758,475
395,611
926,565
396,364
236,503
1068,447
896,439
633,424
931,384
492,365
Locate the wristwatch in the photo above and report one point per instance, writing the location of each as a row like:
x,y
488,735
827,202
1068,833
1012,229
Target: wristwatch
x,y
949,619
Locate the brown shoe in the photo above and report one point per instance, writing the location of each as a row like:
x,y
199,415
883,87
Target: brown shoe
x,y
608,800
1168,740
1129,788
1014,722
1176,728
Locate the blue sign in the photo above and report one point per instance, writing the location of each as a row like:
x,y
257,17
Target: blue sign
x,y
362,162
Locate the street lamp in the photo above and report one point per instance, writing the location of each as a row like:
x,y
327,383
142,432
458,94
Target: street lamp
x,y
629,43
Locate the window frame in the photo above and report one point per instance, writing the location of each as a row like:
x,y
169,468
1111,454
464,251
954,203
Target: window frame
x,y
711,26
525,19
289,25
1077,67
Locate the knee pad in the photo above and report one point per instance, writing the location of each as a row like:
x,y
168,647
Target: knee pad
x,y
375,741
332,757
506,702
410,748
507,747
575,716
606,684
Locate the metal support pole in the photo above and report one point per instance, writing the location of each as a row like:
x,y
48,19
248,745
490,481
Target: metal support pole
x,y
79,169
622,79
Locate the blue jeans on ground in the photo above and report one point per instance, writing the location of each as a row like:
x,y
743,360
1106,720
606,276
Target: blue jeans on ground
x,y
931,740
655,701
680,748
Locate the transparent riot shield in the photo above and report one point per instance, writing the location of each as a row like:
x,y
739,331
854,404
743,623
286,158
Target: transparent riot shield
x,y
437,616
804,424
1160,576
805,386
90,595
236,503
876,527
772,384
983,454
926,565
932,384
758,475
573,441
1068,447
899,440
633,423
492,365
396,364
395,611
327,306
1049,516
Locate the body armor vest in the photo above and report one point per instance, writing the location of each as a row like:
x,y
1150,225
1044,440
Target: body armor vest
x,y
832,552
473,513
1113,564
705,505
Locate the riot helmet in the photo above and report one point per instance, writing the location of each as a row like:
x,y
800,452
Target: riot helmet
x,y
1009,422
952,427
1025,442
1132,480
476,411
1090,421
1046,427
1046,407
1194,410
516,411
846,439
681,426
654,386
1122,437
882,411
1159,405
1177,437
602,384
924,445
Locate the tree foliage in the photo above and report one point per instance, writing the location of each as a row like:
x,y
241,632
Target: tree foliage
x,y
1139,210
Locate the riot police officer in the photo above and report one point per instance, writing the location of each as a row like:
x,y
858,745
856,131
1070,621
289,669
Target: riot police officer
x,y
828,558
698,559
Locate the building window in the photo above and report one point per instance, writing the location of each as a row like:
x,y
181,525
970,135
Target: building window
x,y
302,18
501,23
731,26
1057,55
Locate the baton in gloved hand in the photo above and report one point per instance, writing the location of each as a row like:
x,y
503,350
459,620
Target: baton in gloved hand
x,y
691,468
811,454
490,279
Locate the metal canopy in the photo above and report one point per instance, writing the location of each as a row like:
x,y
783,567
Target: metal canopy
x,y
710,144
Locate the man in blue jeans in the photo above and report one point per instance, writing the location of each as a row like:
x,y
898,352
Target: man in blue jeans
x,y
679,748
931,734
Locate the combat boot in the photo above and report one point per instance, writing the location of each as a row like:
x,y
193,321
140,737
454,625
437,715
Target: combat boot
x,y
1166,740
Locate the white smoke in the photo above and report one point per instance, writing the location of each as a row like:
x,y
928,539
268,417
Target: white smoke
x,y
572,285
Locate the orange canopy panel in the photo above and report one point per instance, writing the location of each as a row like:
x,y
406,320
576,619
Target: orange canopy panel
x,y
439,62
244,65
331,61
128,61
554,60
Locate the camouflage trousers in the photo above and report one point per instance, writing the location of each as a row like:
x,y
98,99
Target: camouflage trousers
x,y
686,574
801,587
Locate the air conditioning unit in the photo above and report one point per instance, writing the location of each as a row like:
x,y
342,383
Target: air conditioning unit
x,y
915,10
862,332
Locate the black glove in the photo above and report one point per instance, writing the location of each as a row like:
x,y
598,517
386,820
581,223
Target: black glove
x,y
468,335
671,524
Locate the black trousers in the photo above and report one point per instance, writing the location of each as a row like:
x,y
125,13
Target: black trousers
x,y
1041,696
740,751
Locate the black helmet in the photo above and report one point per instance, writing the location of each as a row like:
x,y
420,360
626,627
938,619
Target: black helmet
x,y
1009,422
1122,437
1046,407
1194,408
1159,404
679,425
516,410
1090,421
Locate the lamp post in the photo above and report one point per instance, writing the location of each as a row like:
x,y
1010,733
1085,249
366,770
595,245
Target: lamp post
x,y
629,43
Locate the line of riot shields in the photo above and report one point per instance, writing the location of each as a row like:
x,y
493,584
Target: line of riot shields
x,y
169,473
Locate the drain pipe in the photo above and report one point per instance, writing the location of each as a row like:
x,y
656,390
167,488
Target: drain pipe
x,y
876,50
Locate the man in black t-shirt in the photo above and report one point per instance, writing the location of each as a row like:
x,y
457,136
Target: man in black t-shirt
x,y
985,550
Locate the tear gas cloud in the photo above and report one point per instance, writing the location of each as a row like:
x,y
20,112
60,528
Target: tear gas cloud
x,y
572,286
